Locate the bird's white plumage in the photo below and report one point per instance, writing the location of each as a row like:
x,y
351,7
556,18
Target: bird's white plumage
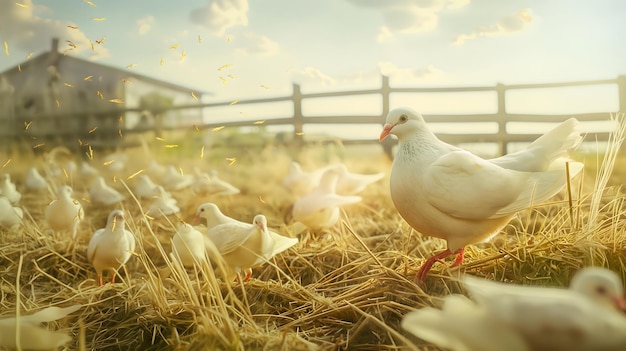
x,y
144,187
320,208
446,192
299,182
173,179
512,317
211,184
34,180
112,246
8,189
102,194
65,213
188,245
9,215
163,204
353,183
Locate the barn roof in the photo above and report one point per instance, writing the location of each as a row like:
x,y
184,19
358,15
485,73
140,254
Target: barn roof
x,y
54,51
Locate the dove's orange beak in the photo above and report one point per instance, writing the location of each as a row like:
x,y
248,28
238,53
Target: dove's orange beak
x,y
620,303
386,130
196,218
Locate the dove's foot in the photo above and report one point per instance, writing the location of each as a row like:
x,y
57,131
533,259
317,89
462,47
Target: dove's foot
x,y
459,257
248,274
100,283
422,273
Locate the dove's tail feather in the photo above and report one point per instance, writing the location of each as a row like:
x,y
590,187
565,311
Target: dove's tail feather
x,y
542,186
462,326
542,152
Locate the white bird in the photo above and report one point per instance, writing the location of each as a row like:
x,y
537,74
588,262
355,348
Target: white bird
x,y
188,245
8,189
32,335
214,218
144,187
86,169
212,214
102,194
9,215
156,170
320,209
174,180
586,317
353,183
116,162
462,325
299,182
163,203
449,193
111,247
211,184
34,180
241,245
64,213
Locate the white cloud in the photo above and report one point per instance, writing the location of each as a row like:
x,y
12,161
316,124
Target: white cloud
x,y
254,44
507,25
409,16
144,25
312,75
421,74
220,15
23,29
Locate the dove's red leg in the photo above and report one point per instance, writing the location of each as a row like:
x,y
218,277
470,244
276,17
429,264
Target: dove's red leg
x,y
113,277
100,283
422,273
459,257
248,274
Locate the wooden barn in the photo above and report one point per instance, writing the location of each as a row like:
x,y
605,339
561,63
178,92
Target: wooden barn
x,y
57,97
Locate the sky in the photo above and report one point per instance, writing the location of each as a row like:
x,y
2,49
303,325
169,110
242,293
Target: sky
x,y
236,49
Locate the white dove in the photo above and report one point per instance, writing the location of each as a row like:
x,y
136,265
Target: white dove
x,y
300,182
353,183
586,317
462,325
211,184
214,217
243,246
8,189
86,169
449,193
34,180
320,209
9,215
64,213
174,180
144,187
102,194
188,245
156,170
32,335
163,204
111,247
116,162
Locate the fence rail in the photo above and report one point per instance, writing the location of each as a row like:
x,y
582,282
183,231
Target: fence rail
x,y
298,120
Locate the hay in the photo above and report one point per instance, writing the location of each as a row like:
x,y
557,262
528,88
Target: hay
x,y
345,288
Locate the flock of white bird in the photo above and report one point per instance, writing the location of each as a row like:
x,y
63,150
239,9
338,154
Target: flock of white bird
x,y
439,189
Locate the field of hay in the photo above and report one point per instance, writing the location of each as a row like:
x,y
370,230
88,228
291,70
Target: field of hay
x,y
344,288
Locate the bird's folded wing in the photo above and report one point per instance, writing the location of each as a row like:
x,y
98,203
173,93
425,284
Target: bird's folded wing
x,y
229,236
93,243
464,185
462,326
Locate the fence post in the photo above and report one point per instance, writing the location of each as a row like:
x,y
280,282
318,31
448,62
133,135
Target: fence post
x,y
298,119
501,119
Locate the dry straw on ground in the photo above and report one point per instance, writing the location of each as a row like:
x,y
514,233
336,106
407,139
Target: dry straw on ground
x,y
345,288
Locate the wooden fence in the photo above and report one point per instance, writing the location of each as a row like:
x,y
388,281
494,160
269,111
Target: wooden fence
x,y
298,120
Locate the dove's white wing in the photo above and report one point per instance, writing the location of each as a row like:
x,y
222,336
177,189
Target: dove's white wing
x,y
461,325
281,243
93,243
573,320
229,236
464,185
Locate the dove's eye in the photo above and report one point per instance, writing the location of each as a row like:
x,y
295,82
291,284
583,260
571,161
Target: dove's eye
x,y
403,118
601,290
